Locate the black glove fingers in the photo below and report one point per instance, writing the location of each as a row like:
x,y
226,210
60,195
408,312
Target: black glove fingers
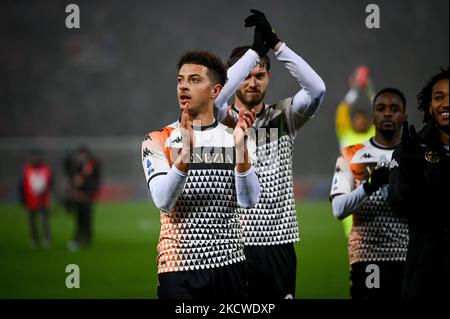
x,y
252,21
257,12
258,43
258,19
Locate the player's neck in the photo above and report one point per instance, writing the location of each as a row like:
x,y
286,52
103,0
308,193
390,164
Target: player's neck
x,y
241,105
202,119
394,141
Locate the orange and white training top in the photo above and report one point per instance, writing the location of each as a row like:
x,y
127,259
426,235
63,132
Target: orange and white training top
x,y
201,229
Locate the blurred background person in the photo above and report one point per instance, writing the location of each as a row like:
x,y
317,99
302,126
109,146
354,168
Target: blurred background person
x,y
69,171
84,184
355,126
35,186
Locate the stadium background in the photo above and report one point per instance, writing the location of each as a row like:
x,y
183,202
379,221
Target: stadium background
x,y
108,83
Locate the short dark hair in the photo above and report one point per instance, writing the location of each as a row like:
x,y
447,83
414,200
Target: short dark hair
x,y
215,66
393,91
238,52
424,96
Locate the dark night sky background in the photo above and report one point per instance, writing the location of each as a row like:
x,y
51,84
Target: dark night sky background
x,y
116,75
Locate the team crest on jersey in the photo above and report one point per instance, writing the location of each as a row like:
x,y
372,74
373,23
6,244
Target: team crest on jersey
x,y
432,157
146,152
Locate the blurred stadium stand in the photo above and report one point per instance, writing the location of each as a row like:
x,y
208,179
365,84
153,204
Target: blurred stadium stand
x,y
110,82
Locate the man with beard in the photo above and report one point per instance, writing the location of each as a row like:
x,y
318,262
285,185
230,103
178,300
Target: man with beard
x,y
418,190
271,227
378,240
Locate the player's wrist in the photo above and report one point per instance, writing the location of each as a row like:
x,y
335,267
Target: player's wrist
x,y
244,167
279,48
183,159
273,40
368,188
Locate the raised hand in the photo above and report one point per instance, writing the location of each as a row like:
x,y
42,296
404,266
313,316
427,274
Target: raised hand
x,y
259,20
258,43
244,123
410,142
378,178
188,140
240,133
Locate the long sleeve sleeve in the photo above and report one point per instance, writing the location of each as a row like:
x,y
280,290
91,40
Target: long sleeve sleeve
x,y
164,182
307,101
236,74
166,189
345,204
247,188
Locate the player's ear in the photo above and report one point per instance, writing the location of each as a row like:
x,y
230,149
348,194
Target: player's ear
x,y
268,75
215,91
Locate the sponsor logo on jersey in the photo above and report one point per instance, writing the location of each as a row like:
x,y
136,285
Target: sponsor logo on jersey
x,y
366,155
393,164
146,152
177,140
209,155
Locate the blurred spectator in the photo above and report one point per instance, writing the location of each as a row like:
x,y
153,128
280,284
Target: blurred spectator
x,y
354,126
84,173
35,186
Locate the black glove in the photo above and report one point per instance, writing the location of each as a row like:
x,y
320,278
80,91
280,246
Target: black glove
x,y
259,45
410,142
259,20
411,156
379,177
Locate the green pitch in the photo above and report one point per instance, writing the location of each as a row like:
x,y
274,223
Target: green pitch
x,y
122,261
